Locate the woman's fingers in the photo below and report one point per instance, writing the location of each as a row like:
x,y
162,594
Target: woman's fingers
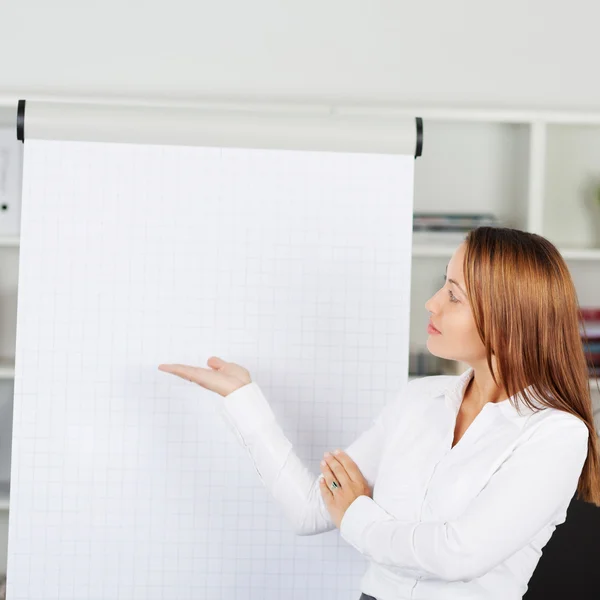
x,y
229,368
325,490
350,466
214,362
328,474
210,380
337,469
222,377
195,374
354,476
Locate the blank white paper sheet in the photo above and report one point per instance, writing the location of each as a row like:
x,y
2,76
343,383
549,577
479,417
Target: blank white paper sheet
x,y
126,483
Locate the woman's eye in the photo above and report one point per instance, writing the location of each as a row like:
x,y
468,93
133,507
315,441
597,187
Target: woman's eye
x,y
453,298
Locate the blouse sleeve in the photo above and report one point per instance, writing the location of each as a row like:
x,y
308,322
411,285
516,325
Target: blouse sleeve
x,y
529,489
294,487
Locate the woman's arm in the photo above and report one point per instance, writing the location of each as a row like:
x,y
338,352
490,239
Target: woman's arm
x,y
289,482
526,493
249,415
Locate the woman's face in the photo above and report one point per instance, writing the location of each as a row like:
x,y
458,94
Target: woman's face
x,y
452,317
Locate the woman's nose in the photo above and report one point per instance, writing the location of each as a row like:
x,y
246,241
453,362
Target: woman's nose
x,y
431,304
428,305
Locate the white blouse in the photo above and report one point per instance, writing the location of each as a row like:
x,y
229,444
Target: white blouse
x,y
467,522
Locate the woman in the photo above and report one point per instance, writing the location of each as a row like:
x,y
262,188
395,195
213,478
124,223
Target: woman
x,y
460,482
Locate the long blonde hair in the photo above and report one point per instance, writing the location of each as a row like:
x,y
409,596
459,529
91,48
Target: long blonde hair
x,y
527,314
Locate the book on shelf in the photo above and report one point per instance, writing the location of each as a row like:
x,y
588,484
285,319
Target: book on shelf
x,y
449,221
439,228
590,326
590,318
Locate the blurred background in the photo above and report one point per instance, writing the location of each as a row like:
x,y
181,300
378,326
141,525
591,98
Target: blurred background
x,y
509,94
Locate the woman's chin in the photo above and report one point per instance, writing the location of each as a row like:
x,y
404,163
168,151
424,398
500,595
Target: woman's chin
x,y
431,346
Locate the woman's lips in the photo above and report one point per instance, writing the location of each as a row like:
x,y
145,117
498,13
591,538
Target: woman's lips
x,y
432,330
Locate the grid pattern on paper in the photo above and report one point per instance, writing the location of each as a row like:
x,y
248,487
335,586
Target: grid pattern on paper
x,y
126,484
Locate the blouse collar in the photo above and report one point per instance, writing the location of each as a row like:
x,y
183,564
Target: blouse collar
x,y
455,392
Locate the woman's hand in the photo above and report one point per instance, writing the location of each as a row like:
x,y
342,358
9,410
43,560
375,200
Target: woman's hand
x,y
222,377
341,468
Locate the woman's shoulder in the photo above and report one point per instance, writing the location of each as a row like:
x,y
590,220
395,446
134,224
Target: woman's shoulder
x,y
548,416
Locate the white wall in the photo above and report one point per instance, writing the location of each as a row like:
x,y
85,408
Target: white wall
x,y
464,52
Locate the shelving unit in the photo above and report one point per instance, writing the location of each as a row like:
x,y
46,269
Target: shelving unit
x,y
535,170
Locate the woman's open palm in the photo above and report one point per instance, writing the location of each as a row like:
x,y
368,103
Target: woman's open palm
x,y
222,377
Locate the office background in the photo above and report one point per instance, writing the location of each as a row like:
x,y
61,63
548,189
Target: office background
x,y
509,94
